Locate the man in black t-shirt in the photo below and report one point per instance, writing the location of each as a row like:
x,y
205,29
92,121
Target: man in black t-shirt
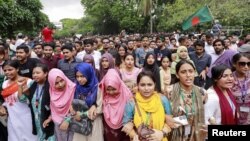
x,y
161,51
26,64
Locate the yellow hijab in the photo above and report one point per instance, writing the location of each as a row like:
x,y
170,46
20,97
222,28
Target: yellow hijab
x,y
152,105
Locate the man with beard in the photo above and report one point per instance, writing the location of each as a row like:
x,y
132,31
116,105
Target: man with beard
x,y
209,43
161,51
142,51
25,62
38,50
105,46
48,57
68,63
131,47
220,56
202,62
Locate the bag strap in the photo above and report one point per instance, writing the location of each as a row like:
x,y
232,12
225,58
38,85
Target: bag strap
x,y
138,109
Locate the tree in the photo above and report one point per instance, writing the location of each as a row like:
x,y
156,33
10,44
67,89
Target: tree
x,y
21,16
229,13
112,16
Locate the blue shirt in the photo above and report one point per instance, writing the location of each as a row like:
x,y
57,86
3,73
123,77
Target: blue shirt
x,y
140,54
200,62
68,68
130,109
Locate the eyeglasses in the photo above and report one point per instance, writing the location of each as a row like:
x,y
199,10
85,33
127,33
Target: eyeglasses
x,y
243,64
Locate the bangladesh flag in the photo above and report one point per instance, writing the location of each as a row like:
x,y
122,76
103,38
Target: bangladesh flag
x,y
201,16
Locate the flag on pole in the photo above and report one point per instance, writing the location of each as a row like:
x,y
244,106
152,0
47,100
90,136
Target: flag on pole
x,y
200,16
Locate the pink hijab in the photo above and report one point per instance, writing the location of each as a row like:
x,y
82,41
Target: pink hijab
x,y
113,107
60,101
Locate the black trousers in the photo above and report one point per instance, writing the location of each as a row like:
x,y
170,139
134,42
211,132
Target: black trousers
x,y
3,133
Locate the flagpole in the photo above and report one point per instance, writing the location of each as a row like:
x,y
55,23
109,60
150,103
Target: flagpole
x,y
210,12
212,17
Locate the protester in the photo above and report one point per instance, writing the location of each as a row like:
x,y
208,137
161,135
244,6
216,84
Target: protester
x,y
61,95
86,90
187,103
148,107
115,96
19,121
39,98
221,107
241,87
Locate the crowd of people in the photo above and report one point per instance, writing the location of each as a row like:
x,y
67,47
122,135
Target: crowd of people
x,y
120,88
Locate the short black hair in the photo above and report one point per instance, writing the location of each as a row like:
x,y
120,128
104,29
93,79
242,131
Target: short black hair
x,y
68,46
88,41
182,38
172,39
199,43
209,35
104,39
219,40
24,47
51,44
38,43
78,42
144,36
202,35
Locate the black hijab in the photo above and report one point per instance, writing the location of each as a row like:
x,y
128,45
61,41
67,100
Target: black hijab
x,y
154,68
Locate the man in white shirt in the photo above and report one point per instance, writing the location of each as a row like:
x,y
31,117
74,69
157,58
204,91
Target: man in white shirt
x,y
89,49
209,49
19,41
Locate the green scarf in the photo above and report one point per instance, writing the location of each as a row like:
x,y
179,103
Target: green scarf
x,y
199,120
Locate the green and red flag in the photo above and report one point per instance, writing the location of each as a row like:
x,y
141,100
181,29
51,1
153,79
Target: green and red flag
x,y
201,16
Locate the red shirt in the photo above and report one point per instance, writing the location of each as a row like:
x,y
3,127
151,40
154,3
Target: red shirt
x,y
47,34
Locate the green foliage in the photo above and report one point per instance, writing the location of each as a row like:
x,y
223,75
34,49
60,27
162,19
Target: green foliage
x,y
70,27
112,16
229,13
21,16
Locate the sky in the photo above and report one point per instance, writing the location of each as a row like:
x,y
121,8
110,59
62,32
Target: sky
x,y
59,9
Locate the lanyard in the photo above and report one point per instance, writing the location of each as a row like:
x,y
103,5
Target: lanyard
x,y
192,108
38,95
243,88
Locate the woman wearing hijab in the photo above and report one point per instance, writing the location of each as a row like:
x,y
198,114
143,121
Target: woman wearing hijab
x,y
86,89
90,59
106,63
61,95
182,54
151,65
115,96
